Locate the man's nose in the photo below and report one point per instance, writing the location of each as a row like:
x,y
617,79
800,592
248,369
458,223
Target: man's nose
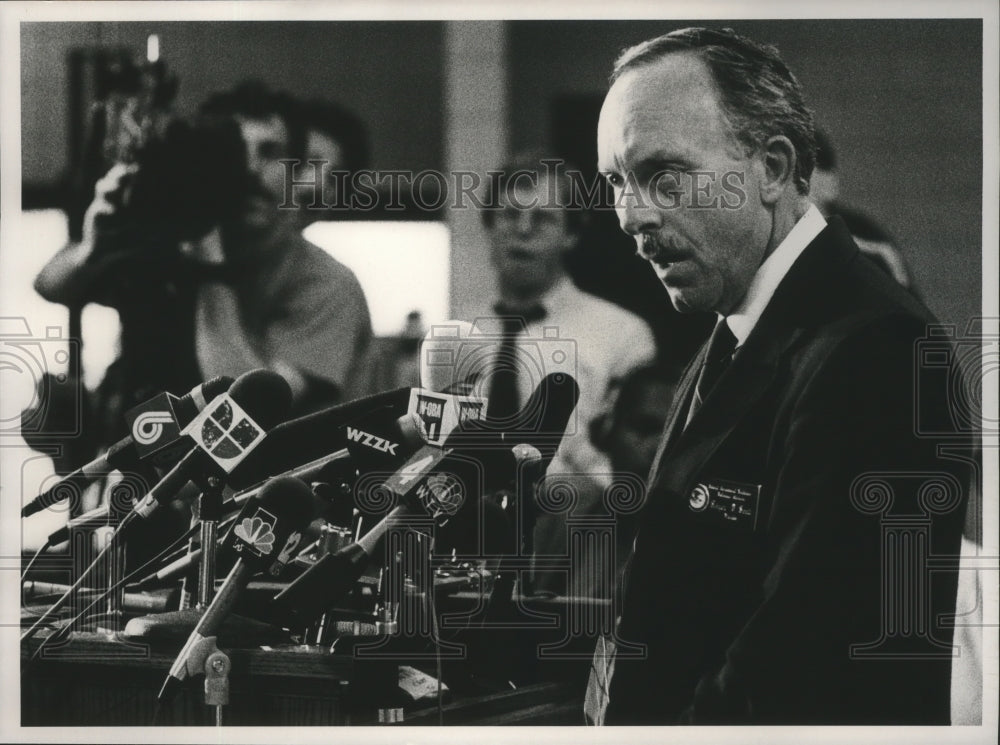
x,y
637,214
255,163
525,223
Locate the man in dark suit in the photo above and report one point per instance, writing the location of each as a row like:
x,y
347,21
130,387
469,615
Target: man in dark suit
x,y
780,574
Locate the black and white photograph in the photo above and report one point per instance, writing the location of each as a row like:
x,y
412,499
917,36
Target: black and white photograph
x,y
456,367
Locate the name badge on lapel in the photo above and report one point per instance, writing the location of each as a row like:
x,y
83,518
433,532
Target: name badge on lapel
x,y
728,501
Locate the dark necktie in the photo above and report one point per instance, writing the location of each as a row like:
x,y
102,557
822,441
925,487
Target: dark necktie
x,y
504,401
721,347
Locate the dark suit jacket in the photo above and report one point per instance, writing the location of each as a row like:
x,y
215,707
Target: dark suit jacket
x,y
771,580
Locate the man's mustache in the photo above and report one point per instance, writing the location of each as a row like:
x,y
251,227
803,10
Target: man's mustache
x,y
660,249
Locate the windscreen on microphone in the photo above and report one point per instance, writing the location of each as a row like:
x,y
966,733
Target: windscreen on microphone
x,y
542,422
269,527
225,433
157,440
265,538
313,436
264,395
191,403
449,358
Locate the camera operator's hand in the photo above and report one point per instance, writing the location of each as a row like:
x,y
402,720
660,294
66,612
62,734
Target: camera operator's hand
x,y
73,276
109,194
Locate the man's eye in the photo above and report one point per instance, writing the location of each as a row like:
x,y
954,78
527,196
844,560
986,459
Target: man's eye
x,y
614,179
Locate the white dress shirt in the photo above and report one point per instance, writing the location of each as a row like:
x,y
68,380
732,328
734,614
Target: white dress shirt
x,y
601,341
742,320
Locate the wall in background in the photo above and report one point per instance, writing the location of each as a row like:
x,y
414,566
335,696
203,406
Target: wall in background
x,y
902,101
388,73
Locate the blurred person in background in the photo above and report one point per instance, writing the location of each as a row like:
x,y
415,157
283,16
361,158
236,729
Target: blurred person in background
x,y
240,290
628,432
873,239
337,146
532,226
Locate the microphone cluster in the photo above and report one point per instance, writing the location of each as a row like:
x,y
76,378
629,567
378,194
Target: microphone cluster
x,y
232,434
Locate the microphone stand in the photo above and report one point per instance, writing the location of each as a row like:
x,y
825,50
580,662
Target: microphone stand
x,y
114,573
217,667
206,657
210,513
182,621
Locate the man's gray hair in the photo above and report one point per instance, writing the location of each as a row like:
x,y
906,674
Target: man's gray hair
x,y
760,96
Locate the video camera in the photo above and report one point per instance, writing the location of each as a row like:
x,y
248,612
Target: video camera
x,y
191,171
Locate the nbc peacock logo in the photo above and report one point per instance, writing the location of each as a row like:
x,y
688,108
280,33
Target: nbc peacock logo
x,y
256,533
441,495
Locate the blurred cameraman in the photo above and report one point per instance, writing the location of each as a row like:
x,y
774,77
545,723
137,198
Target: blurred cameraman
x,y
208,274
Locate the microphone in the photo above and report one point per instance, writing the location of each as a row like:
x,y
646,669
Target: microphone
x,y
120,502
225,433
332,577
267,532
176,568
154,426
315,436
435,481
447,352
541,423
131,602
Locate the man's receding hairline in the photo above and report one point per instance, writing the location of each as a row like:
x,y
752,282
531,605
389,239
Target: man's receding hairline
x,y
651,60
710,77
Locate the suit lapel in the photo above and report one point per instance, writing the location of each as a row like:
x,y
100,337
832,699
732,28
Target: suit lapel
x,y
685,450
679,406
739,387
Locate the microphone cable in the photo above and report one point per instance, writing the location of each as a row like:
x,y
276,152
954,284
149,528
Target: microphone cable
x,y
65,630
430,608
45,547
56,606
111,544
61,633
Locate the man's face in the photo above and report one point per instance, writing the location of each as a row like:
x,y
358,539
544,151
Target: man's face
x,y
330,154
683,185
529,237
320,146
266,143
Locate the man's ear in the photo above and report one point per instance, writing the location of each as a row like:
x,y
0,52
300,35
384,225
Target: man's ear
x,y
779,159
